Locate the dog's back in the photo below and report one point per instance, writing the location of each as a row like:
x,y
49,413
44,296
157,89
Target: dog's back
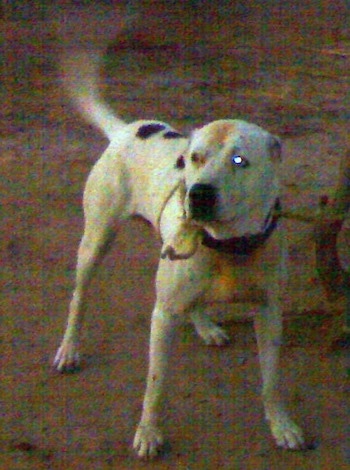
x,y
151,150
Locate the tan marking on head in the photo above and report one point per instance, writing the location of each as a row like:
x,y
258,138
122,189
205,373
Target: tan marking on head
x,y
199,159
219,131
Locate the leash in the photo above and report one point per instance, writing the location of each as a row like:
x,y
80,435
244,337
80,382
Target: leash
x,y
181,186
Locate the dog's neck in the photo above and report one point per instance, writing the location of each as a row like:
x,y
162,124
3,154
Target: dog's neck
x,y
246,245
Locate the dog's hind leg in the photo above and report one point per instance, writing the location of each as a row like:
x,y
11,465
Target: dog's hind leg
x,y
91,250
102,209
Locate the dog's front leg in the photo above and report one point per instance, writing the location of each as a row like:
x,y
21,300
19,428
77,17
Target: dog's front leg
x,y
148,438
268,327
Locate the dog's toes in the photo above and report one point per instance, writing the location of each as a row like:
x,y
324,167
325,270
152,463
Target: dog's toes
x,y
67,359
217,336
213,335
148,441
288,435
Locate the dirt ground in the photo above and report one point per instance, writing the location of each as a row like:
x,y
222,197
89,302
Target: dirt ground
x,y
285,66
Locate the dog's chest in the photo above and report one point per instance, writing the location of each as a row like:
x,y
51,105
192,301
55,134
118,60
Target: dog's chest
x,y
236,279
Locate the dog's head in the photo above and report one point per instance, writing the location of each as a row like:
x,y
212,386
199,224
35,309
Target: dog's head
x,y
230,178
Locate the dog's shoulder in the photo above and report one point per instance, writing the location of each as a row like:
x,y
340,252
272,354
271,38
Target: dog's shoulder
x,y
158,146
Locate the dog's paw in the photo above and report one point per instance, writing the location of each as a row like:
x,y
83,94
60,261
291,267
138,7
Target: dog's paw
x,y
148,441
67,358
287,434
212,334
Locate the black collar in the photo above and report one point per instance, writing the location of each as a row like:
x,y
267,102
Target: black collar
x,y
245,245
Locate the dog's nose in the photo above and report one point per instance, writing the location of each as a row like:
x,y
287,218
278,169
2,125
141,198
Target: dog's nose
x,y
202,198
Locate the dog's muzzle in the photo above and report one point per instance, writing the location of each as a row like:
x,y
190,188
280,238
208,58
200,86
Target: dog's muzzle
x,y
202,202
246,245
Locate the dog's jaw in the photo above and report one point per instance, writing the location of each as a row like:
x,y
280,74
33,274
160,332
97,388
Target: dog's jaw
x,y
247,244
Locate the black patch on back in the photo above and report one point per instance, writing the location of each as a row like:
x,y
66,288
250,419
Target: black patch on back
x,y
147,130
173,135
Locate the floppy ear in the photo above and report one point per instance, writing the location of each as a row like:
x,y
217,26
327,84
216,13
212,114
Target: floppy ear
x,y
275,148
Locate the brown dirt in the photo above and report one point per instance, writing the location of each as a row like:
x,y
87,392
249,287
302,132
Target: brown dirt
x,y
282,67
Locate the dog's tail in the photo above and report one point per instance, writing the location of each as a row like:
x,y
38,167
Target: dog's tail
x,y
80,75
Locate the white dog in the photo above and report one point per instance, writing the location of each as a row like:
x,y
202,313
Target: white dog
x,y
213,199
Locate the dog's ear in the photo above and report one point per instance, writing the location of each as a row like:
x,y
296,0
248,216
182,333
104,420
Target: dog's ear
x,y
275,148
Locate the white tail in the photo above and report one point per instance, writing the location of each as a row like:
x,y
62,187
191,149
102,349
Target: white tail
x,y
80,74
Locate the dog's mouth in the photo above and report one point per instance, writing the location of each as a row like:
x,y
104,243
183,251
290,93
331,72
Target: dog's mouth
x,y
246,244
203,209
237,225
217,228
219,223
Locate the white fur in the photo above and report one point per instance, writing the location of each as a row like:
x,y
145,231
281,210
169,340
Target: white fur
x,y
136,176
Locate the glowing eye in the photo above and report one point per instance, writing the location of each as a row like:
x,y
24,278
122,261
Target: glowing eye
x,y
240,161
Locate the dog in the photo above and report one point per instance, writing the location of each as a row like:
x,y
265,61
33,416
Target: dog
x,y
213,199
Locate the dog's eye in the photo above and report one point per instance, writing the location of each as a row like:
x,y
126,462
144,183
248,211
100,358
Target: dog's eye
x,y
240,161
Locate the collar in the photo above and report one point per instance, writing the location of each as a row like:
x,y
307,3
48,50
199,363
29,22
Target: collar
x,y
246,245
